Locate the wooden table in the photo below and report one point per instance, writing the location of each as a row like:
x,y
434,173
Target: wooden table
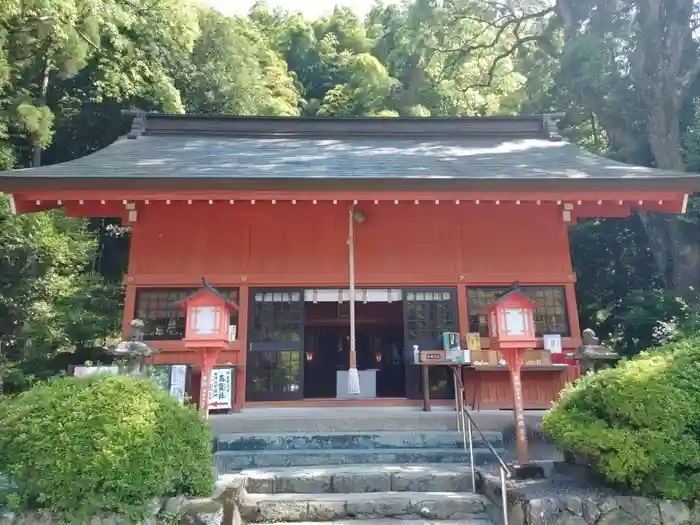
x,y
425,381
489,386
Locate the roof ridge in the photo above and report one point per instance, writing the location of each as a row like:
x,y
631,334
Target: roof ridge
x,y
344,127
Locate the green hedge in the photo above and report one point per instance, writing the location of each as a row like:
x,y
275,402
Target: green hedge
x,y
84,446
640,422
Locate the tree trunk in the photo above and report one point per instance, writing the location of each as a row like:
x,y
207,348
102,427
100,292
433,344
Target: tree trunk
x,y
662,77
674,243
3,369
41,102
664,136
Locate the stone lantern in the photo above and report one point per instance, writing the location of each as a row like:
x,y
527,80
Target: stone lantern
x,y
133,350
592,355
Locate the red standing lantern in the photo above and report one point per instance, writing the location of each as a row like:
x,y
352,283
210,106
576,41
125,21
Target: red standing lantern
x,y
512,331
207,331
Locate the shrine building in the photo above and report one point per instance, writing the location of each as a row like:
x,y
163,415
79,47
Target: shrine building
x,y
447,212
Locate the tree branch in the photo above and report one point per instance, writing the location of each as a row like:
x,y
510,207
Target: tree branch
x,y
509,22
498,59
689,77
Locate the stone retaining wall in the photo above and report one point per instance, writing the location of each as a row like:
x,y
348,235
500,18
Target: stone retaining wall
x,y
575,506
608,510
175,511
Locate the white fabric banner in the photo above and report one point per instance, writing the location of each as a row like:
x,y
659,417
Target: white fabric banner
x,y
178,382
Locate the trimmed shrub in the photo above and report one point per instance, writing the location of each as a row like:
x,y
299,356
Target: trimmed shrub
x,y
639,423
79,447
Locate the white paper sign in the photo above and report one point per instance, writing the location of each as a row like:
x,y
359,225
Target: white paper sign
x,y
220,389
232,333
205,320
178,381
515,321
84,371
552,342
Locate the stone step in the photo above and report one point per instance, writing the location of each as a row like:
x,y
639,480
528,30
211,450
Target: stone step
x,y
359,478
344,419
350,440
227,462
259,508
390,521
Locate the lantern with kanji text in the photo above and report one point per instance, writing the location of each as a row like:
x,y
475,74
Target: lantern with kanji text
x,y
512,331
207,331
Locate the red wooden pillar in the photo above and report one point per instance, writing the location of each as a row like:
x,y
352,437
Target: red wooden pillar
x,y
129,308
572,311
514,358
207,360
463,320
242,335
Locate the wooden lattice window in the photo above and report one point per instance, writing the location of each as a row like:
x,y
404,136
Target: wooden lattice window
x,y
428,314
163,318
277,316
551,316
273,375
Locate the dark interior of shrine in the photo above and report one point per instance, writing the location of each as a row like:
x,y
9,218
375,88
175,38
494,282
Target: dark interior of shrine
x,y
379,345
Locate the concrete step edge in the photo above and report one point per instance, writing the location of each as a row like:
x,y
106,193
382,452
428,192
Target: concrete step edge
x,y
388,521
233,435
266,508
330,440
344,479
359,496
230,462
349,451
356,469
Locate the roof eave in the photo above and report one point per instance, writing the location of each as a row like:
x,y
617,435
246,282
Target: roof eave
x,y
683,183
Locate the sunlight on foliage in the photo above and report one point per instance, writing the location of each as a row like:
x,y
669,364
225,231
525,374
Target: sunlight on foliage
x,y
622,420
80,447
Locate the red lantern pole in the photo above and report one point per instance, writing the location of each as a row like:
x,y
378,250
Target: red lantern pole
x,y
514,359
209,356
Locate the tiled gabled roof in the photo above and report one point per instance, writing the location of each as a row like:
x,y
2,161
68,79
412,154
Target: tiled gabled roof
x,y
234,152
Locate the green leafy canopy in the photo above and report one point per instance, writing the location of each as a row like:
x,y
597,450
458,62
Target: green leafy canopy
x,y
81,447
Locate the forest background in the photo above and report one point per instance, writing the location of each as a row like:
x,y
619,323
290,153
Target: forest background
x,y
625,72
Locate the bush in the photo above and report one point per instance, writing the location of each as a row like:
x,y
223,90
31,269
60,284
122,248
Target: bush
x,y
79,447
640,422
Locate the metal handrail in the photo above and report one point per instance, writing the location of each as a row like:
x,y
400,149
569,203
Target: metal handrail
x,y
465,425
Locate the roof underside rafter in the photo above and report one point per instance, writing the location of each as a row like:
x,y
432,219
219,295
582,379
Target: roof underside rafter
x,y
571,205
247,158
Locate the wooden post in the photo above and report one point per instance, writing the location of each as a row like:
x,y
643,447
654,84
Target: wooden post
x,y
208,361
514,359
242,336
129,309
425,381
353,378
572,311
463,318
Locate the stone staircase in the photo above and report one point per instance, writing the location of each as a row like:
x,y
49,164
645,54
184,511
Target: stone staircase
x,y
235,452
372,494
369,466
